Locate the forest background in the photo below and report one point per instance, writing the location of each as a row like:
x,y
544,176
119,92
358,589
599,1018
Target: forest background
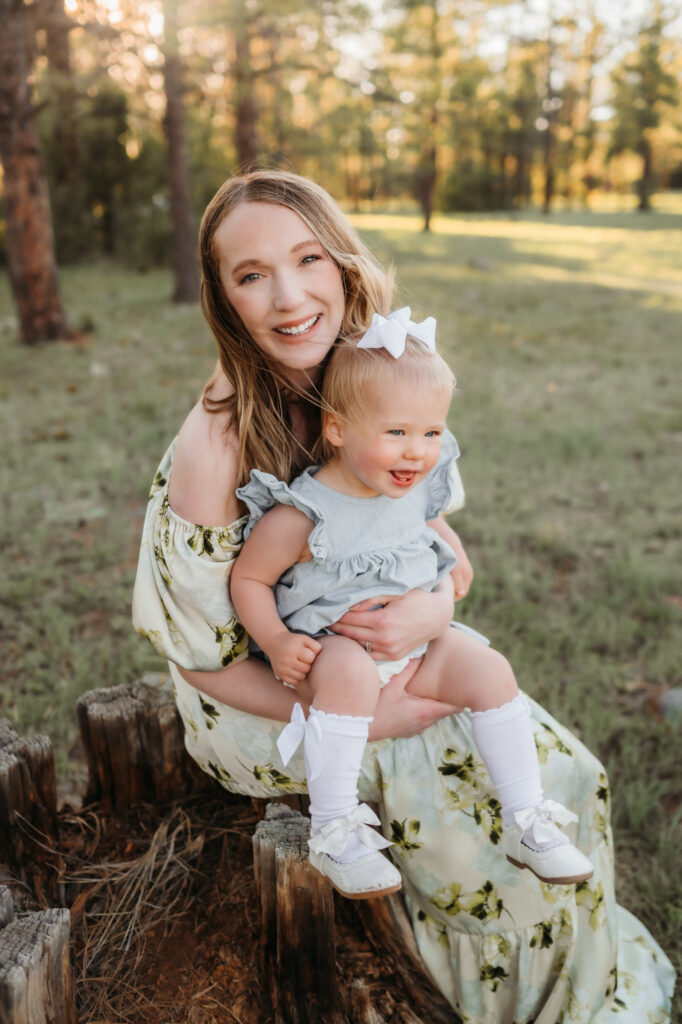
x,y
125,115
541,146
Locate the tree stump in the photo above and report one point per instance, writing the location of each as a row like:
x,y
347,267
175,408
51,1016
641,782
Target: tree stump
x,y
6,906
134,745
388,929
36,983
28,798
297,952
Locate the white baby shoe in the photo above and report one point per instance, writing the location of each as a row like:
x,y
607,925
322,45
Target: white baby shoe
x,y
535,842
368,876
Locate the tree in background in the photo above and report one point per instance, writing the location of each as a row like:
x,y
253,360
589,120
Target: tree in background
x,y
642,88
62,94
30,245
184,258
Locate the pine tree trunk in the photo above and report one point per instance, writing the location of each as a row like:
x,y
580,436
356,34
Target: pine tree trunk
x,y
69,205
185,263
30,245
246,138
645,184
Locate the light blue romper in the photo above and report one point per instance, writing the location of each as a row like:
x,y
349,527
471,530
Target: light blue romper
x,y
360,547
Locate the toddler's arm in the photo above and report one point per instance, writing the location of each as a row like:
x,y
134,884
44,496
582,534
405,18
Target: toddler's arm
x,y
277,541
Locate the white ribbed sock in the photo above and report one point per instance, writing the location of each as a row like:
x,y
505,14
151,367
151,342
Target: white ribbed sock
x,y
505,741
334,793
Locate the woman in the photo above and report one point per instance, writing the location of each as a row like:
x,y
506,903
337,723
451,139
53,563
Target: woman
x,y
284,275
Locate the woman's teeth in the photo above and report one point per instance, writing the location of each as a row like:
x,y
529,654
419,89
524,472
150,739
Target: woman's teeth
x,y
305,326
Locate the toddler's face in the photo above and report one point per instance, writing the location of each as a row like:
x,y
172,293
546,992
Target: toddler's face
x,y
395,445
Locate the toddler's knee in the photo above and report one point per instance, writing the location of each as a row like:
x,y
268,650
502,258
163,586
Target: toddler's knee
x,y
501,676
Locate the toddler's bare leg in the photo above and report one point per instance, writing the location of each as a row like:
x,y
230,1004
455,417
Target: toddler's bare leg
x,y
345,686
343,678
460,670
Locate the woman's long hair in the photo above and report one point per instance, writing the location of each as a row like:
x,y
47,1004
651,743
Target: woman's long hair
x,y
261,391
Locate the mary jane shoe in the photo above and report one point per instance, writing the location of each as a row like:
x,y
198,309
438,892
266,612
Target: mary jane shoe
x,y
562,863
366,877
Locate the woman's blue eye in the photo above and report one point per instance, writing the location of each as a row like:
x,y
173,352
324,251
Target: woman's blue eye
x,y
249,277
311,258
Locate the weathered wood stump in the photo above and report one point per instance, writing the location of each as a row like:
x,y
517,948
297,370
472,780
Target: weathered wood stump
x,y
134,746
6,906
297,955
28,798
389,931
36,982
297,948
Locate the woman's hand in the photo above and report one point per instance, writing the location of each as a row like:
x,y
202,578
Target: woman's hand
x,y
399,713
401,624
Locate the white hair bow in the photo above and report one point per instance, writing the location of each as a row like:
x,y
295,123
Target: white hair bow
x,y
390,332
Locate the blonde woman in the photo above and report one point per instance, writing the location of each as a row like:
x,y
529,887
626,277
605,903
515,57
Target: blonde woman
x,y
284,277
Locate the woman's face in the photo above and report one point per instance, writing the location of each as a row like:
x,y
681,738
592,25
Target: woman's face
x,y
279,279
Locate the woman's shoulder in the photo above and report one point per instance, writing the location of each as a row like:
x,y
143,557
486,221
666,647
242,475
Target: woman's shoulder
x,y
204,474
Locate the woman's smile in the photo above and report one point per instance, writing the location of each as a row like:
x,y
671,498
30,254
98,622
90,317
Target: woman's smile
x,y
302,327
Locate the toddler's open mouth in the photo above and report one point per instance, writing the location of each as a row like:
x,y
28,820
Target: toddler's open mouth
x,y
404,477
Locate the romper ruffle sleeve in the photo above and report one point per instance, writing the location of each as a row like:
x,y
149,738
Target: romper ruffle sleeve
x,y
446,491
264,491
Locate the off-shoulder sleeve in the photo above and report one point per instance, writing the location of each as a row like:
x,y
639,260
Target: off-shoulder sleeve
x,y
181,598
446,492
264,491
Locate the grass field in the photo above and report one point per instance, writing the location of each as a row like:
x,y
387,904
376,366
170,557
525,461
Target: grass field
x,y
566,337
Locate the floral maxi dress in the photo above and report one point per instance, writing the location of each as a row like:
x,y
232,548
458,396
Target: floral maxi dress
x,y
503,947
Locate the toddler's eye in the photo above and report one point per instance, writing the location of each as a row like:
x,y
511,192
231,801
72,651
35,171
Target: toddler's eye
x,y
396,432
432,433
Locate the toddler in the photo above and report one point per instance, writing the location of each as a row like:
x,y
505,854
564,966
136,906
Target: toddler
x,y
355,528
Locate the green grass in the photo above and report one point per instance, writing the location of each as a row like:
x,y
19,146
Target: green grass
x,y
565,334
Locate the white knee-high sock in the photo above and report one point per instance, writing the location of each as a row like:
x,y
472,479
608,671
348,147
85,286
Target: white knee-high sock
x,y
332,764
505,741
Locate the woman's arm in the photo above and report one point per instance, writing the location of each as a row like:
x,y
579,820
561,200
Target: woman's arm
x,y
250,686
462,574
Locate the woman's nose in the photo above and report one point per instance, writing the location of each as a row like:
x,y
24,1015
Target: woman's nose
x,y
287,292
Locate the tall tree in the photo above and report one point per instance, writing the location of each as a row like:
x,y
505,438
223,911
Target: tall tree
x,y
30,245
642,87
60,140
185,265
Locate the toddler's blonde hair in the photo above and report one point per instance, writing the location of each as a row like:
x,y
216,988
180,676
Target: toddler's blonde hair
x,y
354,374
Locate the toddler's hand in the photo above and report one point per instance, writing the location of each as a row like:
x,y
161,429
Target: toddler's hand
x,y
291,655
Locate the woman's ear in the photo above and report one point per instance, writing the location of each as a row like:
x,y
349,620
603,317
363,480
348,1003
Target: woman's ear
x,y
332,428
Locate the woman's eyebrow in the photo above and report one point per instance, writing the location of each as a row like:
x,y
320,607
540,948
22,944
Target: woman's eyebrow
x,y
250,262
